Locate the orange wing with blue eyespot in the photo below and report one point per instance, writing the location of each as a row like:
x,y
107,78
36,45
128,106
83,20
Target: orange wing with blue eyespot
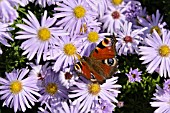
x,y
101,63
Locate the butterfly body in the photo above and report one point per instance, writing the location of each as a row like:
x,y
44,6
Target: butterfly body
x,y
101,63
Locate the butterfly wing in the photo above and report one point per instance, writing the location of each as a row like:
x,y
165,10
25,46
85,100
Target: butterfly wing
x,y
101,69
109,66
101,63
105,53
97,76
104,50
83,68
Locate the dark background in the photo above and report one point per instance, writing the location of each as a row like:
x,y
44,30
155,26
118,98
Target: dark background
x,y
136,96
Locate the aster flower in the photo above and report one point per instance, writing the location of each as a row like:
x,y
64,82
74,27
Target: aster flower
x,y
52,106
142,12
42,110
65,52
161,101
102,106
43,3
133,11
153,22
159,91
39,71
113,18
156,52
39,37
87,92
87,26
167,85
128,39
67,77
134,75
126,1
62,107
118,3
100,6
25,2
73,15
67,107
52,90
7,11
133,17
17,3
120,104
4,34
19,91
91,39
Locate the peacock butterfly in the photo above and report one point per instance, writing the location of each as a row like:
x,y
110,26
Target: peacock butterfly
x,y
101,64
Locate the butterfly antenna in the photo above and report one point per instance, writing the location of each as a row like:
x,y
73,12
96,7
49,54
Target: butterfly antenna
x,y
114,39
78,56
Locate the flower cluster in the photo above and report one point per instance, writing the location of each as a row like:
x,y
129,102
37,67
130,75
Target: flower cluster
x,y
161,98
53,41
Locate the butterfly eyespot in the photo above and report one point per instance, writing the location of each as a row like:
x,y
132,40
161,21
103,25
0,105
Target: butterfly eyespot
x,y
107,42
78,67
110,61
92,76
93,79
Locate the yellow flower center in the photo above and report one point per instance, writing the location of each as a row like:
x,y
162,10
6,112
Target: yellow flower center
x,y
93,37
94,88
44,34
117,2
157,29
79,11
51,88
164,51
16,87
69,49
